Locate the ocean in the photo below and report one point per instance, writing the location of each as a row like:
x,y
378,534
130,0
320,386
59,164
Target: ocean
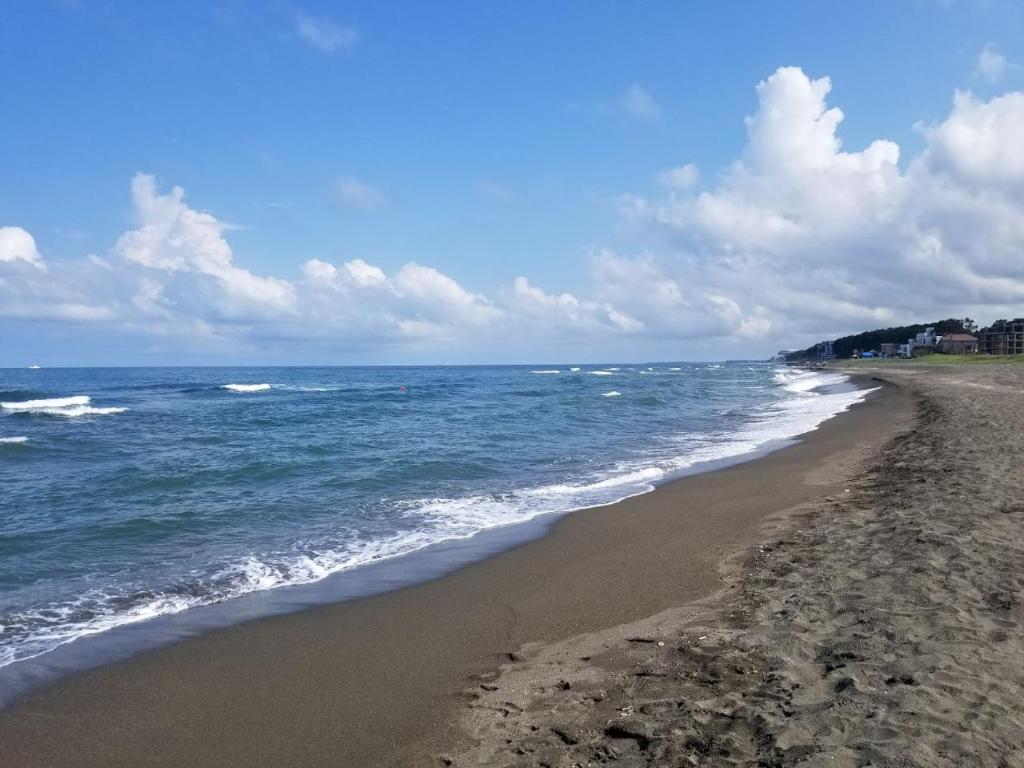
x,y
128,494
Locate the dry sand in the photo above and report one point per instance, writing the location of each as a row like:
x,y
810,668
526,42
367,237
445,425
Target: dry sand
x,y
511,662
875,627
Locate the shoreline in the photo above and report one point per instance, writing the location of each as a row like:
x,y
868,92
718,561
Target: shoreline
x,y
432,561
365,681
879,625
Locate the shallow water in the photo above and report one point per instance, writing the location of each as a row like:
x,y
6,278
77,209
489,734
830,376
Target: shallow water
x,y
129,494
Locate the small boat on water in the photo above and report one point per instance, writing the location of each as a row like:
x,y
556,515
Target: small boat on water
x,y
33,367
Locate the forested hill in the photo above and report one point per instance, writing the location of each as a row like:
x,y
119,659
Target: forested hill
x,y
872,340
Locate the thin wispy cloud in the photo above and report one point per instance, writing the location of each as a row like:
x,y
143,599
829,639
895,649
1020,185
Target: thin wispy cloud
x,y
681,177
325,35
495,190
991,64
352,192
638,103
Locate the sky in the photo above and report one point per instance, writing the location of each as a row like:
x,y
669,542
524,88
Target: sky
x,y
440,183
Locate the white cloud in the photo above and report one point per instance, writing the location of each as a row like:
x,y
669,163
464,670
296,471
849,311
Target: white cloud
x,y
174,238
681,177
638,103
551,312
991,64
798,239
325,35
16,244
352,192
440,297
31,290
352,274
981,143
803,237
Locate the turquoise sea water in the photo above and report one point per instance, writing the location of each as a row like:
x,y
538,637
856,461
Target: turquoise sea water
x,y
127,494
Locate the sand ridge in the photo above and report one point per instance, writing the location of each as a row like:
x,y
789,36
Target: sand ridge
x,y
875,626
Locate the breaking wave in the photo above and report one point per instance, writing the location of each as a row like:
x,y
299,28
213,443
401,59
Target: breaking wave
x,y
800,401
77,405
245,387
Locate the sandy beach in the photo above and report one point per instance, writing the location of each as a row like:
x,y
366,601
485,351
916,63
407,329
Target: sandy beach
x,y
388,680
877,625
850,600
512,385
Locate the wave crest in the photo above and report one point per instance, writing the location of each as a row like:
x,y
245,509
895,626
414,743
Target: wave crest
x,y
245,387
76,405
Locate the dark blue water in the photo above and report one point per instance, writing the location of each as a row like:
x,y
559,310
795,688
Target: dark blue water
x,y
127,494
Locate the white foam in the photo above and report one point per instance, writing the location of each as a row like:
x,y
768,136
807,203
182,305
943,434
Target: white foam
x,y
801,408
13,440
77,405
613,393
548,371
246,387
800,381
675,369
600,373
56,402
55,626
81,410
574,370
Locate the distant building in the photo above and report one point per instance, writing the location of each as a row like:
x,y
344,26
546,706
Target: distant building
x,y
924,343
959,344
1003,337
889,349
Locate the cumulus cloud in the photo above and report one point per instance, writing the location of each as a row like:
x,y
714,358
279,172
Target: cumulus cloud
x,y
16,244
173,238
325,35
565,311
29,290
981,143
801,236
638,103
352,192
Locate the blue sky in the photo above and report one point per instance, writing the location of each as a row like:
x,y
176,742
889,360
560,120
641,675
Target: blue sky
x,y
484,141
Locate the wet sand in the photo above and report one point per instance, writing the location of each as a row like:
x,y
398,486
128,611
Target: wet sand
x,y
875,626
411,677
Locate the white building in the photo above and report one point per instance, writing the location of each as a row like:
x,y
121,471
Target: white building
x,y
926,340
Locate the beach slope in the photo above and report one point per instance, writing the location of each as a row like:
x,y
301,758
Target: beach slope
x,y
388,680
880,625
